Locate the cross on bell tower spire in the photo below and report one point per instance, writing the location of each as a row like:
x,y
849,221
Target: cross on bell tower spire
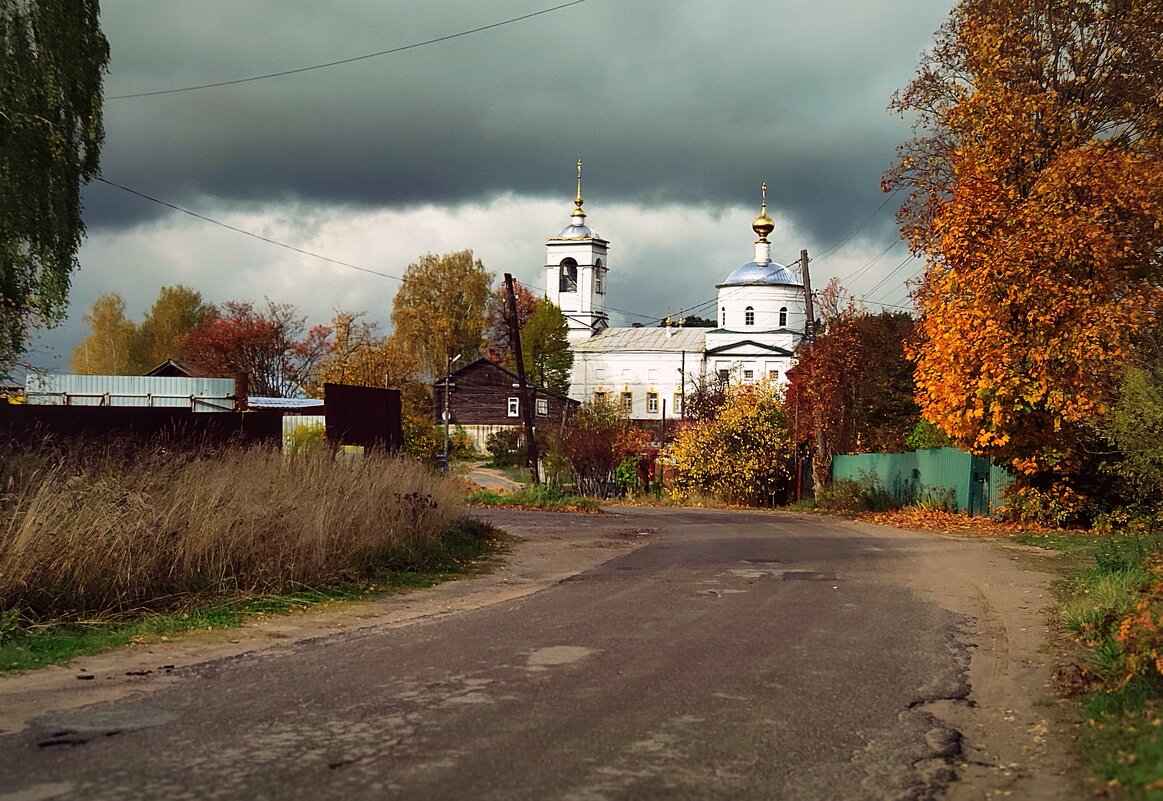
x,y
577,201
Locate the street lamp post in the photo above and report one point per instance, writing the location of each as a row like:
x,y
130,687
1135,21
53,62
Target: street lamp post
x,y
447,415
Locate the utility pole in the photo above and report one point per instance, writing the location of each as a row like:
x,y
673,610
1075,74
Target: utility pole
x,y
447,414
526,406
809,338
810,325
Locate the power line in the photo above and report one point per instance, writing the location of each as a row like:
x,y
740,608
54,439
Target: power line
x,y
889,305
889,275
244,232
313,67
829,250
295,249
861,270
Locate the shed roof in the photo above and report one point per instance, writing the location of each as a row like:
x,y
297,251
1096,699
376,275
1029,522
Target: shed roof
x,y
261,402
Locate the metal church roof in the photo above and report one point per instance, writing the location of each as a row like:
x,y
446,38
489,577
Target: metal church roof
x,y
644,339
770,274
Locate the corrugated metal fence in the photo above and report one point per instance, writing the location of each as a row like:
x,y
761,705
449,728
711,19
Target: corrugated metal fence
x,y
195,394
972,483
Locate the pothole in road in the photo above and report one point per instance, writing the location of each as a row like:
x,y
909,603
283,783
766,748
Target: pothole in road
x,y
79,727
790,574
555,655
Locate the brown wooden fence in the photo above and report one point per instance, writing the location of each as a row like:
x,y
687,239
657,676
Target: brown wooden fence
x,y
355,416
23,421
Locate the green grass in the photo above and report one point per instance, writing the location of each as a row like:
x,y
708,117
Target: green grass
x,y
542,496
467,547
1122,739
1121,734
1090,602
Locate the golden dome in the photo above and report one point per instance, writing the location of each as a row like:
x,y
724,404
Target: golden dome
x,y
763,225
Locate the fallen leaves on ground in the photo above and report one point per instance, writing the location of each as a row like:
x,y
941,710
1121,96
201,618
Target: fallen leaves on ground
x,y
950,523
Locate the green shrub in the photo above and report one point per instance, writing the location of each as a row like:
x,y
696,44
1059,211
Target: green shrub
x,y
460,444
849,496
505,447
626,473
925,435
306,439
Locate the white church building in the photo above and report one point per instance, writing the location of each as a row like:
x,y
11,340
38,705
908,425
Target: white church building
x,y
647,371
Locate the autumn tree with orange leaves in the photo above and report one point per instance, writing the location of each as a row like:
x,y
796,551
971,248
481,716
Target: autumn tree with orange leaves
x,y
1036,197
273,346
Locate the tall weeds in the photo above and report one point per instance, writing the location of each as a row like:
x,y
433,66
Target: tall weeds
x,y
114,529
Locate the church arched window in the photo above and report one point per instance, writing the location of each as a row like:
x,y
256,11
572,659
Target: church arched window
x,y
568,276
749,316
723,313
783,317
599,277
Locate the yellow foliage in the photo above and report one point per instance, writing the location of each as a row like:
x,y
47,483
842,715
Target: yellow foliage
x,y
740,456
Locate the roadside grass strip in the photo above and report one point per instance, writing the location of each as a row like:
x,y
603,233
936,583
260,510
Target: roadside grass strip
x,y
1112,606
467,547
532,496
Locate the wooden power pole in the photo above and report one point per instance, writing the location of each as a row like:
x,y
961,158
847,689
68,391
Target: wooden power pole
x,y
809,338
809,312
526,404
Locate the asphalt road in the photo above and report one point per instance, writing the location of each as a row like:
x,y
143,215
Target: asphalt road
x,y
732,656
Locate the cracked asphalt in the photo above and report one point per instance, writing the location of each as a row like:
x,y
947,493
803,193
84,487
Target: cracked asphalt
x,y
648,654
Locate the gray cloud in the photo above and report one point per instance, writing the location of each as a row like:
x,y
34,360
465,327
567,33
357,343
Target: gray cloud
x,y
687,102
679,109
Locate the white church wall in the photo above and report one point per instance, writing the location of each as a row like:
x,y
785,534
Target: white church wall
x,y
641,374
765,302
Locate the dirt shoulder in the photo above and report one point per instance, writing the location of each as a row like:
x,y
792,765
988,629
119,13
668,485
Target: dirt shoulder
x,y
1017,730
548,549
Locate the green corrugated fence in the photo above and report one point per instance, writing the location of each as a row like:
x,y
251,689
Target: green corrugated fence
x,y
972,482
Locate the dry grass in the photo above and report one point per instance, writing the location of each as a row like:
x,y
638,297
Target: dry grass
x,y
84,533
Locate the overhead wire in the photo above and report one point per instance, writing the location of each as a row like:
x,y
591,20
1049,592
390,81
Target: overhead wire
x,y
245,232
339,62
887,276
293,248
867,266
651,319
833,248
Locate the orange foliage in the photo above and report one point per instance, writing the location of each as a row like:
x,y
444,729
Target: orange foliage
x,y
1141,633
1037,197
950,523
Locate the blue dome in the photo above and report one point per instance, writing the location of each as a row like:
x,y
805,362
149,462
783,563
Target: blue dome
x,y
770,274
573,231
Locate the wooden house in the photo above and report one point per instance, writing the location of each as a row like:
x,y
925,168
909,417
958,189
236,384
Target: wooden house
x,y
484,397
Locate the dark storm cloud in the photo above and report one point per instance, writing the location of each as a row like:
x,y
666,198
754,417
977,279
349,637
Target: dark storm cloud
x,y
689,102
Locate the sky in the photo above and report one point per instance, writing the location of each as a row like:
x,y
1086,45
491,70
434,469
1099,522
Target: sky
x,y
678,109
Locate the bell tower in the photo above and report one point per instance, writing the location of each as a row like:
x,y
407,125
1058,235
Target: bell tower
x,y
575,273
